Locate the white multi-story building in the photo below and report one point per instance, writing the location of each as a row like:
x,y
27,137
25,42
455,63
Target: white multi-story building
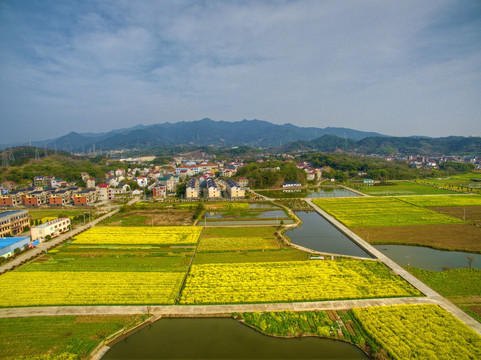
x,y
52,228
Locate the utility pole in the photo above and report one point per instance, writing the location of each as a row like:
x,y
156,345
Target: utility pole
x,y
464,215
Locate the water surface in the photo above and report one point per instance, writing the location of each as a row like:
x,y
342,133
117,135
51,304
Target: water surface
x,y
427,258
223,339
318,234
307,193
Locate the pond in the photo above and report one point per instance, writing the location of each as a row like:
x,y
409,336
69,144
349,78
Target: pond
x,y
307,193
318,234
427,258
261,206
223,339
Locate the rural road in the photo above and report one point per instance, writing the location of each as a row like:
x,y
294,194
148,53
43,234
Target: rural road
x,y
196,310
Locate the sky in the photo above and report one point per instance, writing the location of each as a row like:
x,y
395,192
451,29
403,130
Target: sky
x,y
395,67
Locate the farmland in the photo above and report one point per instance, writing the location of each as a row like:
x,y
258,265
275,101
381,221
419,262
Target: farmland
x,y
40,288
396,188
58,337
153,214
419,332
360,212
243,244
146,235
442,201
456,237
291,281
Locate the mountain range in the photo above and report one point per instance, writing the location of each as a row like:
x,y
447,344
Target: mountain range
x,y
260,134
255,133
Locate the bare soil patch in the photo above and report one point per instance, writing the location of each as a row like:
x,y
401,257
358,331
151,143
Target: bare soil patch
x,y
461,237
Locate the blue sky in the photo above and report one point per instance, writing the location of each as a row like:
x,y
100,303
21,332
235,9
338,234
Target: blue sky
x,y
395,67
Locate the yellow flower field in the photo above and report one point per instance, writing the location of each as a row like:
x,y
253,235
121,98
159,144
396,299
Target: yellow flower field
x,y
165,235
88,288
420,332
292,281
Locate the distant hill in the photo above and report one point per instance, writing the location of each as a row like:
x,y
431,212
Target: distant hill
x,y
254,133
452,145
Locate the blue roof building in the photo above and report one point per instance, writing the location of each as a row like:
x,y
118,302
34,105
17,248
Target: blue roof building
x,y
8,245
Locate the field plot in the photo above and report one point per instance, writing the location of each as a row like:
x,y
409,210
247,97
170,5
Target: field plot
x,y
153,214
169,235
50,214
458,237
419,332
77,258
237,243
39,288
243,244
460,286
442,201
232,239
291,281
58,337
357,212
395,188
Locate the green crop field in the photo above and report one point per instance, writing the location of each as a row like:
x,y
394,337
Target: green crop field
x,y
419,332
453,282
237,243
250,256
396,188
245,231
292,281
440,201
372,211
58,337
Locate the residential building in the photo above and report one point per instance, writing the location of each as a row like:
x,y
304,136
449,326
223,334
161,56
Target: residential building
x,y
9,245
122,189
52,228
85,197
234,190
11,199
291,184
60,197
243,182
212,190
104,192
35,198
13,222
159,191
90,183
192,189
43,181
142,181
9,185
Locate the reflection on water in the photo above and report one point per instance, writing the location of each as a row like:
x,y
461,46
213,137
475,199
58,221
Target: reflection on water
x,y
223,339
318,234
427,258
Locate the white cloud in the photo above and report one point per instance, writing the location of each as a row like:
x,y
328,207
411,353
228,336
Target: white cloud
x,y
371,65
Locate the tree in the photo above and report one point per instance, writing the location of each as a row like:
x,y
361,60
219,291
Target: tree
x,y
180,191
